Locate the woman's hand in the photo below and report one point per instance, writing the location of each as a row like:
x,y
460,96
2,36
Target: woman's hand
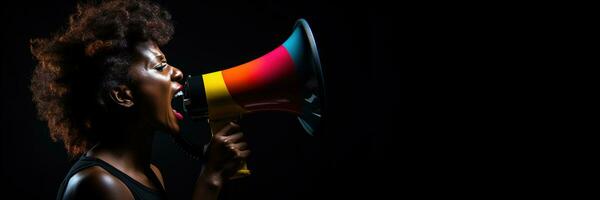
x,y
225,154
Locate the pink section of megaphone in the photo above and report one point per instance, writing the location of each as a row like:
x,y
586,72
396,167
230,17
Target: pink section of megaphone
x,y
266,83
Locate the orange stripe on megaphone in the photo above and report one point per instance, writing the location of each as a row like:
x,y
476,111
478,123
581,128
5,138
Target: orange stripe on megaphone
x,y
266,83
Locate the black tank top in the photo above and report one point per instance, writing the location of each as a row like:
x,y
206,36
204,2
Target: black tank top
x,y
138,190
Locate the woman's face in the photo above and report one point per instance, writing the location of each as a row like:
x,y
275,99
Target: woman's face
x,y
155,83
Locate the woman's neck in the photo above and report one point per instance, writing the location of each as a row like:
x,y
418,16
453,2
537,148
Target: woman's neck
x,y
127,148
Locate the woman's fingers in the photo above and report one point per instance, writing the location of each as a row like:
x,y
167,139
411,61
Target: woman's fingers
x,y
230,128
243,155
223,136
239,146
234,138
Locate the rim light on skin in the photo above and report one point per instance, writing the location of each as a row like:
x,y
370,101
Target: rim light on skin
x,y
157,73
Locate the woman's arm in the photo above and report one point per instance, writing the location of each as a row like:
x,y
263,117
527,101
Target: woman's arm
x,y
208,185
225,154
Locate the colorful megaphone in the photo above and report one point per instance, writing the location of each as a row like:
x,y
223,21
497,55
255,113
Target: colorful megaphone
x,y
287,79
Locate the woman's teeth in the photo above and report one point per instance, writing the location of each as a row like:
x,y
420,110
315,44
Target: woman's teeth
x,y
178,115
178,94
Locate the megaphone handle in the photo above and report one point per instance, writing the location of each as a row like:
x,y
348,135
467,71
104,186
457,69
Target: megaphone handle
x,y
217,125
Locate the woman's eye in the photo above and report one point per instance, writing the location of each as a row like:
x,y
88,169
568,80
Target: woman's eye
x,y
161,67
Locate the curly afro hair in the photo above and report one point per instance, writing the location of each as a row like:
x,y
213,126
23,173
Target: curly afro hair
x,y
78,66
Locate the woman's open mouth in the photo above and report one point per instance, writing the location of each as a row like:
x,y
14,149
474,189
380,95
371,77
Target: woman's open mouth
x,y
177,99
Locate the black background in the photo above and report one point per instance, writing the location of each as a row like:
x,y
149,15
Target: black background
x,y
374,64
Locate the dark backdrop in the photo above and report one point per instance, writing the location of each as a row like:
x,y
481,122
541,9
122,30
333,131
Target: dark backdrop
x,y
350,157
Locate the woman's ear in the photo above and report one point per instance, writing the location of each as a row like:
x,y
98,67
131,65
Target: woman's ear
x,y
121,95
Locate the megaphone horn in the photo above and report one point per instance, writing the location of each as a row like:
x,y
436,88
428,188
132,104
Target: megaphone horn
x,y
288,79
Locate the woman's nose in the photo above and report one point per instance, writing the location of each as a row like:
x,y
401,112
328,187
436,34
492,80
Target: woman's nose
x,y
177,75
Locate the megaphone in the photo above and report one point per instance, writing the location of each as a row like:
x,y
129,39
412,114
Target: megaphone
x,y
288,79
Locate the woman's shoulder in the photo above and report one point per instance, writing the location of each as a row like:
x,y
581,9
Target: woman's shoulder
x,y
96,183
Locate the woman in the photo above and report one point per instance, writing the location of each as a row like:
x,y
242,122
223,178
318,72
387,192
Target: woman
x,y
104,87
